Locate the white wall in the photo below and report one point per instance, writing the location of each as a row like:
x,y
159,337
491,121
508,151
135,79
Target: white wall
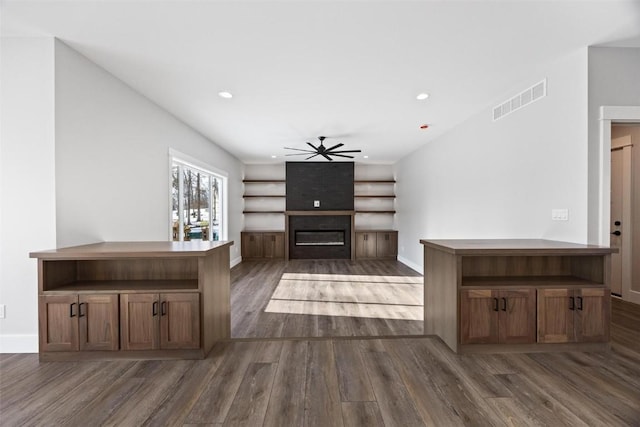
x,y
501,179
614,80
112,151
27,183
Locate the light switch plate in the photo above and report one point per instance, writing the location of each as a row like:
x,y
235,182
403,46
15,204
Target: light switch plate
x,y
560,214
316,203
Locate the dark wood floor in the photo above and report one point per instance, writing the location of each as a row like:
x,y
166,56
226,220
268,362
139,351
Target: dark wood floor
x,y
254,283
325,382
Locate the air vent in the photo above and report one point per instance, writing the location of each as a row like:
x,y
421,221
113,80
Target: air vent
x,y
535,92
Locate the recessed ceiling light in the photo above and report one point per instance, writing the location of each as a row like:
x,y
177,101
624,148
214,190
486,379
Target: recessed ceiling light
x,y
422,96
225,94
273,157
366,157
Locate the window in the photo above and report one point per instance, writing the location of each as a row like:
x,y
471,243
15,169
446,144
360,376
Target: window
x,y
198,200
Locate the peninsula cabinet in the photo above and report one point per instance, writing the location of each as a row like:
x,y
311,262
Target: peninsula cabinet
x,y
573,315
134,300
498,316
160,321
78,322
517,295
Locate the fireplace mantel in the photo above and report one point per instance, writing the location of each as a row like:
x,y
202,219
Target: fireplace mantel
x,y
323,213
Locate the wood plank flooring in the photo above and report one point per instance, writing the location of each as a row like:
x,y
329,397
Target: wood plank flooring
x,y
325,298
349,381
328,382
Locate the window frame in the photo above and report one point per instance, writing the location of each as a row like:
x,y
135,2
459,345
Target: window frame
x,y
176,158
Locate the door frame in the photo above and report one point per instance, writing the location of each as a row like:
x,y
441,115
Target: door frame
x,y
610,115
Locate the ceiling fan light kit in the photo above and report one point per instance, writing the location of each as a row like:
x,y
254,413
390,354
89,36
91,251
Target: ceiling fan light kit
x,y
323,151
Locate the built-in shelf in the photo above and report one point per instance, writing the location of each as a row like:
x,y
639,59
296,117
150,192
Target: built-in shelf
x,y
568,281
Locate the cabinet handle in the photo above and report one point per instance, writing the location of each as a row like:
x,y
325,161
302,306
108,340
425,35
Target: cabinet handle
x,y
80,314
572,303
504,304
71,310
580,303
495,304
164,308
154,310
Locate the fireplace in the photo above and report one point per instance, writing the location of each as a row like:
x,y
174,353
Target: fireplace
x,y
319,238
319,234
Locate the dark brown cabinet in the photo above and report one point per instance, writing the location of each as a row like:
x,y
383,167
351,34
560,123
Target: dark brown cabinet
x,y
78,322
160,321
573,315
498,316
262,244
376,244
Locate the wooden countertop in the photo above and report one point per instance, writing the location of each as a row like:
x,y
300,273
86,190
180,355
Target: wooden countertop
x,y
515,247
193,248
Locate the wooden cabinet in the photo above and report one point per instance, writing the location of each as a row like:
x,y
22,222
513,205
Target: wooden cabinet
x,y
376,244
160,321
262,244
140,300
573,315
273,245
517,295
78,322
498,316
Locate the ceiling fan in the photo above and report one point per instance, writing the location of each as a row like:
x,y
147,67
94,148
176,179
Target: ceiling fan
x,y
321,150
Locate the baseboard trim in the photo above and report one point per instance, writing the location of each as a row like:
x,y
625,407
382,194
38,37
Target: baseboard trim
x,y
236,261
18,343
411,264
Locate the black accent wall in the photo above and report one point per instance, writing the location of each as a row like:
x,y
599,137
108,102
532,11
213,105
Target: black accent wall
x,y
329,182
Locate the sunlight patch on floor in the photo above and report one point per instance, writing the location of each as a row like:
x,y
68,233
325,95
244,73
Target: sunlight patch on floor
x,y
369,296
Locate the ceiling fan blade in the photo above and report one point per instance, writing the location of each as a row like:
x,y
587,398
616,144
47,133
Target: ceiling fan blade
x,y
297,154
347,151
341,155
327,157
335,146
317,154
297,149
313,146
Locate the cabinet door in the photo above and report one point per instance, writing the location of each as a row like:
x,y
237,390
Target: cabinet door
x,y
556,309
252,246
58,322
273,245
365,245
517,316
180,321
98,322
478,317
386,244
139,314
592,310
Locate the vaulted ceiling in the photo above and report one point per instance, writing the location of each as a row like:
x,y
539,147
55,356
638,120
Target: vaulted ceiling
x,y
349,70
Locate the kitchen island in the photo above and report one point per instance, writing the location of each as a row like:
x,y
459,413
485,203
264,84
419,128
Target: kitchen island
x,y
134,300
517,295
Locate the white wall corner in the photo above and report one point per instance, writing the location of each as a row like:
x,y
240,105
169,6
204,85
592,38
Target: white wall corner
x,y
10,343
412,265
235,261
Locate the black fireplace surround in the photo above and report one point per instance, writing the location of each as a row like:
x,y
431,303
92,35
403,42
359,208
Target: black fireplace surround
x,y
319,237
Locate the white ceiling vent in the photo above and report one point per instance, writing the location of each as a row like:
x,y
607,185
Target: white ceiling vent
x,y
527,96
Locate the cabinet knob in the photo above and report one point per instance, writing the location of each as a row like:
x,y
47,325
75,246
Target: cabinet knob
x,y
616,233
